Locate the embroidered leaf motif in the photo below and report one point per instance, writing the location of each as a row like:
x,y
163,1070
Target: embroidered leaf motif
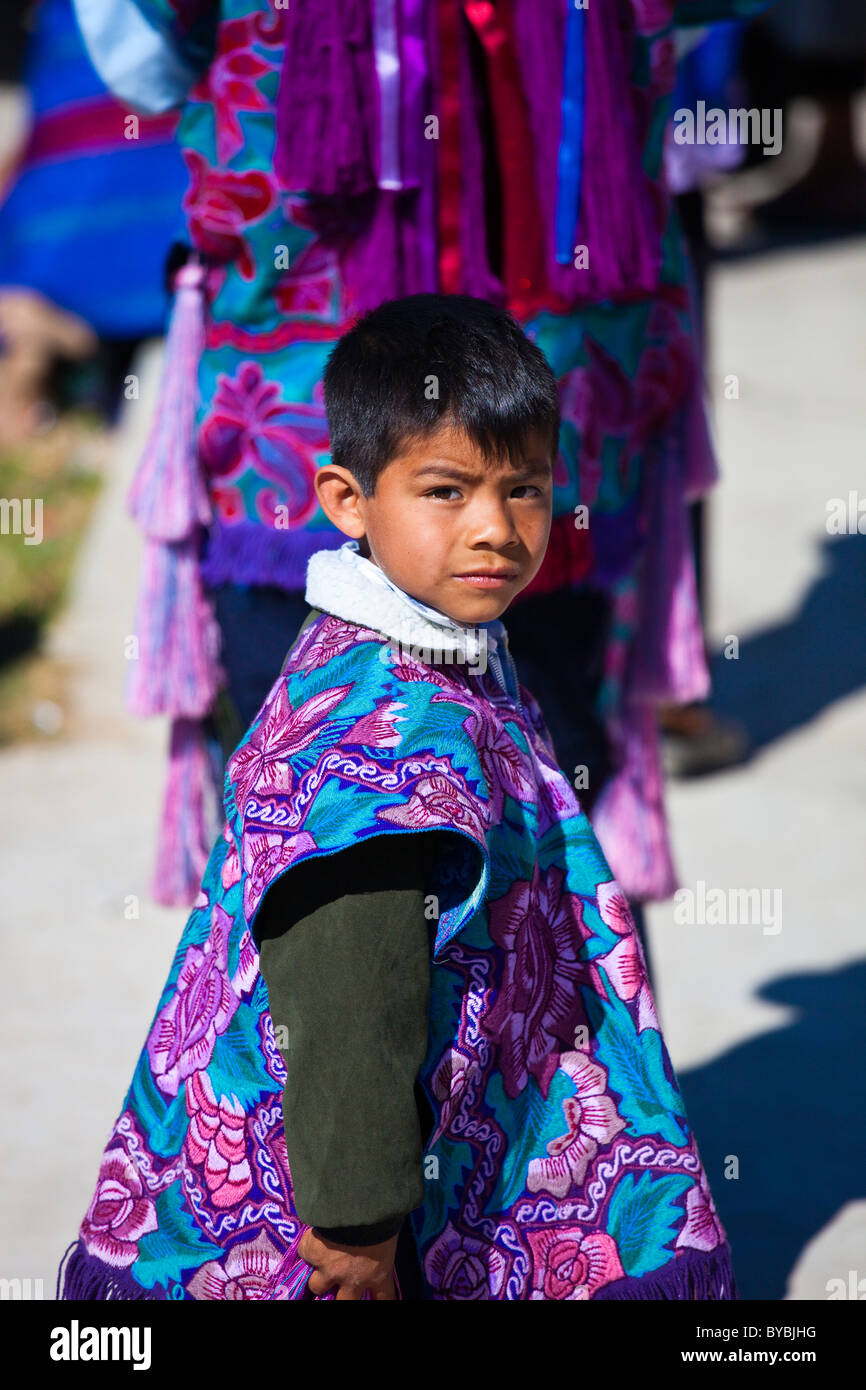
x,y
536,1122
238,1066
163,1118
441,1182
176,1246
643,1219
635,1067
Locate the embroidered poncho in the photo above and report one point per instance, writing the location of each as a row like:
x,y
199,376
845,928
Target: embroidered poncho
x,y
561,1164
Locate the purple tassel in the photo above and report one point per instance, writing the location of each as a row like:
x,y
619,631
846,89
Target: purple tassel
x,y
629,814
168,496
619,221
186,837
177,671
327,122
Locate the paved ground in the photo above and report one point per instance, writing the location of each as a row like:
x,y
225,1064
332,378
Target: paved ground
x,y
763,1028
81,981
766,1030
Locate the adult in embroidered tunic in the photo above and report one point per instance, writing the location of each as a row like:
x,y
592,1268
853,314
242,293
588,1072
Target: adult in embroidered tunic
x,y
345,153
495,1113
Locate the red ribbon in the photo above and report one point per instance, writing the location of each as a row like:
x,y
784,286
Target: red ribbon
x,y
448,171
522,222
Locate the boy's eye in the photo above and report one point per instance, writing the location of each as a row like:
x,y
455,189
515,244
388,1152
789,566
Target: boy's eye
x,y
440,493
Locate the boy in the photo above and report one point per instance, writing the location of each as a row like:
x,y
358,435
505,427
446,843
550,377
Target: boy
x,y
408,900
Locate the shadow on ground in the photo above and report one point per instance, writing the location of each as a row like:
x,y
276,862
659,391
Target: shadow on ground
x,y
788,674
791,1105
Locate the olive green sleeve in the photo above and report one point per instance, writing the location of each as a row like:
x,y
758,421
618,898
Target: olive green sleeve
x,y
345,955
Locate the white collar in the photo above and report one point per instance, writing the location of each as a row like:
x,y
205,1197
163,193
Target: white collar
x,y
345,583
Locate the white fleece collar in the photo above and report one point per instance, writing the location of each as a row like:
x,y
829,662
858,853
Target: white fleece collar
x,y
345,583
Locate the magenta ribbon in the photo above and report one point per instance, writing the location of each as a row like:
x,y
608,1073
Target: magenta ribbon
x,y
386,49
401,73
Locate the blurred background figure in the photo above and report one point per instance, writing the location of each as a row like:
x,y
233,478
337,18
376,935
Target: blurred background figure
x,y
90,205
315,192
696,738
735,199
806,49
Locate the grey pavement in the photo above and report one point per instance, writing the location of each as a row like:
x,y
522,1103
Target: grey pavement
x,y
81,978
763,1028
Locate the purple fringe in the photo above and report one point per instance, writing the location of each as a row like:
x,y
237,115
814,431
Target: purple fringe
x,y
82,1278
695,1274
249,553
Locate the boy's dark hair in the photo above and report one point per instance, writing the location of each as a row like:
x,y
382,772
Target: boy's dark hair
x,y
492,383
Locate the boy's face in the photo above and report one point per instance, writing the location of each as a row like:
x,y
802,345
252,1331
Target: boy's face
x,y
460,535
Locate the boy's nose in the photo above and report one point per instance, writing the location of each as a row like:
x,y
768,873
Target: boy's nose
x,y
492,525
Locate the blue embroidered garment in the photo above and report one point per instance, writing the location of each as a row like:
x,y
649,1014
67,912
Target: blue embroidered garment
x,y
561,1165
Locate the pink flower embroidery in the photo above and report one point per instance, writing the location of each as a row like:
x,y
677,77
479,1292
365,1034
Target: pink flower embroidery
x,y
265,857
311,286
592,1122
568,1265
502,761
216,1137
220,204
247,972
201,1007
376,729
120,1213
245,1273
448,1084
250,425
231,870
613,907
325,638
624,964
261,765
702,1229
540,928
232,84
437,800
460,1267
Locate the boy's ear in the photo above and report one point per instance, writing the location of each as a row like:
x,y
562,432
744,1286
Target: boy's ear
x,y
340,497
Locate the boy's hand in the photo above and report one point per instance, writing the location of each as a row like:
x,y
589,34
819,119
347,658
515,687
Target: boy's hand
x,y
353,1268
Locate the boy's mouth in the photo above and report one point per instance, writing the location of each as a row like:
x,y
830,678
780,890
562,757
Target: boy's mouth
x,y
489,579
